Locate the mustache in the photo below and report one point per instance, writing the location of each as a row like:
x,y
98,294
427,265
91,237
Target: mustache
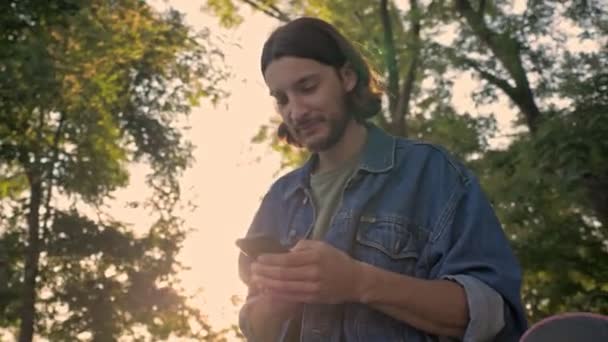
x,y
306,122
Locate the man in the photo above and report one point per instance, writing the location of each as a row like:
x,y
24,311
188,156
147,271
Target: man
x,y
390,239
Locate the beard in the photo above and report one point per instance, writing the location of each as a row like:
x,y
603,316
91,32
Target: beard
x,y
334,127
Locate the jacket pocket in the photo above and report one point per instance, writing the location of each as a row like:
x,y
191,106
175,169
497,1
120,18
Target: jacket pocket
x,y
389,242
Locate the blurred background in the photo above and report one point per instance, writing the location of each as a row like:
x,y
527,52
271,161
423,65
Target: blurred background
x,y
137,139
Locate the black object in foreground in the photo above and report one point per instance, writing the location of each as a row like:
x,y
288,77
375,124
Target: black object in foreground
x,y
571,327
254,246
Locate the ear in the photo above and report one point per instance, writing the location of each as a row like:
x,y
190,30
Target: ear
x,y
349,77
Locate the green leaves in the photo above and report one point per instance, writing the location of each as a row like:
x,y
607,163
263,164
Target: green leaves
x,y
226,10
292,156
463,135
86,88
12,186
541,188
103,271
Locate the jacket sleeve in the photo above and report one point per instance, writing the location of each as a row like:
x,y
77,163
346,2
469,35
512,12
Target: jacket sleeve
x,y
266,221
471,249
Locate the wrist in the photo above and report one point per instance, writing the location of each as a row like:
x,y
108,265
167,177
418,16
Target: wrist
x,y
263,325
363,282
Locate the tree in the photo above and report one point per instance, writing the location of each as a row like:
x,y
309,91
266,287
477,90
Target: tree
x,y
548,184
88,89
540,187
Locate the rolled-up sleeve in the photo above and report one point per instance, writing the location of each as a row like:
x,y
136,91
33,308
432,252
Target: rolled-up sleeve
x,y
486,309
470,248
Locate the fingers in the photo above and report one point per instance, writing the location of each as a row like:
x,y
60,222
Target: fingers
x,y
288,288
295,276
299,257
305,273
296,297
306,244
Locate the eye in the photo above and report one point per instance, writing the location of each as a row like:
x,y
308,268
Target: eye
x,y
308,87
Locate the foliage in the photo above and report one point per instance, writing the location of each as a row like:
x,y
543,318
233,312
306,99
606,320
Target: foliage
x,y
86,90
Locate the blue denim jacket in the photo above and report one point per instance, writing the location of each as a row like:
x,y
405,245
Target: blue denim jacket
x,y
412,209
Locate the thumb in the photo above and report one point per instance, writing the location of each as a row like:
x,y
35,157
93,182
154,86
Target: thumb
x,y
304,244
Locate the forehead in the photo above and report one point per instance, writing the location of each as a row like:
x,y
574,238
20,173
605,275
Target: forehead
x,y
284,72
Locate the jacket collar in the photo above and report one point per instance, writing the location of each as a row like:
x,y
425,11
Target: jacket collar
x,y
378,156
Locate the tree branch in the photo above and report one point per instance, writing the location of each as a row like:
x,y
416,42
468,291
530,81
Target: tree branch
x,y
475,21
269,9
507,50
51,177
27,313
282,15
461,60
390,57
403,105
482,8
490,77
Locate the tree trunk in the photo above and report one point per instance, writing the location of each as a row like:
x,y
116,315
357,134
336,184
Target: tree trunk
x,y
390,58
34,174
526,103
32,255
403,105
597,189
507,51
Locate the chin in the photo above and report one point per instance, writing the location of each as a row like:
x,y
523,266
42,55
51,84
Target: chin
x,y
318,145
319,141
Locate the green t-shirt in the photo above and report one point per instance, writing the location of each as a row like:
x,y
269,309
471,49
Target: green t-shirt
x,y
327,190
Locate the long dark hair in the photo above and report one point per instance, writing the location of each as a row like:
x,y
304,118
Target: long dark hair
x,y
316,39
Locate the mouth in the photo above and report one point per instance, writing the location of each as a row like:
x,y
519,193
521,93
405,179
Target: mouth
x,y
308,127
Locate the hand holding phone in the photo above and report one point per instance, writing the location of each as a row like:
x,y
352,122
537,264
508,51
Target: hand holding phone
x,y
257,245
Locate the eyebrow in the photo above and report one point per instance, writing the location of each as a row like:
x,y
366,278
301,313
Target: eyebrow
x,y
299,81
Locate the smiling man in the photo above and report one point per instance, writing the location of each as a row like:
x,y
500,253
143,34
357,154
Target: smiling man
x,y
390,239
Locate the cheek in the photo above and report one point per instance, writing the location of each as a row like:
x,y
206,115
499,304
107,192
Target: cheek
x,y
287,121
330,99
283,112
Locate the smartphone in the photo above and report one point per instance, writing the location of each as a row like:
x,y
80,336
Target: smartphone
x,y
255,246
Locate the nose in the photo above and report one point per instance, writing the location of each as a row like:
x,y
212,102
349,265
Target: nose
x,y
297,109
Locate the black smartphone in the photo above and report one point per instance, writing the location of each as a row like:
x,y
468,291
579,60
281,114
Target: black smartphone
x,y
254,246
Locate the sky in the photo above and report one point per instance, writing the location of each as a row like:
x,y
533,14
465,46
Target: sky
x,y
230,174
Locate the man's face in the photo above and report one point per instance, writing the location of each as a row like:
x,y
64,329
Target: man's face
x,y
310,97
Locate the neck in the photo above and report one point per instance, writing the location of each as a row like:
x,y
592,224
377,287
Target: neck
x,y
346,148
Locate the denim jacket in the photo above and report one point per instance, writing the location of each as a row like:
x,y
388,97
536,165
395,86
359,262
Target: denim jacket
x,y
412,209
